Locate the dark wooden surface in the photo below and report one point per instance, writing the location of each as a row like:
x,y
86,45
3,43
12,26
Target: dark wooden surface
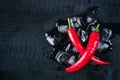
x,y
24,52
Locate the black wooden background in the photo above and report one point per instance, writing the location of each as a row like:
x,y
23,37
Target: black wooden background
x,y
24,52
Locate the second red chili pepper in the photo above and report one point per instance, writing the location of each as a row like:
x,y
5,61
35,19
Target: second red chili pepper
x,y
88,53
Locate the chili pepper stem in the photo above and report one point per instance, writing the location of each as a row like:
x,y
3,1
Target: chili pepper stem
x,y
97,28
69,25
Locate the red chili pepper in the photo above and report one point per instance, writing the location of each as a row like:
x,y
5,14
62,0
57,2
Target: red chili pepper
x,y
88,53
79,46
